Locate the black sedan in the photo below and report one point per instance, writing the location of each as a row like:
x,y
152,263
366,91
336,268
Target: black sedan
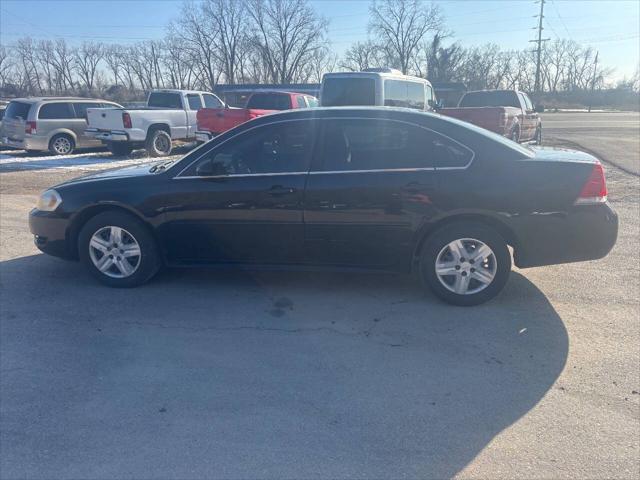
x,y
339,188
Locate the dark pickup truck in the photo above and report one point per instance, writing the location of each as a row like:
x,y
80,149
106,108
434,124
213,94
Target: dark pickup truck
x,y
507,112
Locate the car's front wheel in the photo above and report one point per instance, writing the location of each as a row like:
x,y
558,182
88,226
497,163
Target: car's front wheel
x,y
465,263
118,249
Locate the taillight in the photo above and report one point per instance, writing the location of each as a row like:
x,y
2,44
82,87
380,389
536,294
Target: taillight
x,y
595,188
30,128
126,120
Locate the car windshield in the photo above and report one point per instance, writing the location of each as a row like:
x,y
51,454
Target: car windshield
x,y
490,99
17,110
164,100
348,91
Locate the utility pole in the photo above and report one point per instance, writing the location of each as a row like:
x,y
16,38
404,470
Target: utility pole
x,y
539,41
593,80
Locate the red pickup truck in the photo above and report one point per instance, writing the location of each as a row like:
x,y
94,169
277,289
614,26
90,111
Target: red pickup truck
x,y
214,121
507,112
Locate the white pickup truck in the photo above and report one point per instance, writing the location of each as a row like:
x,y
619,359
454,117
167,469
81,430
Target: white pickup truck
x,y
170,115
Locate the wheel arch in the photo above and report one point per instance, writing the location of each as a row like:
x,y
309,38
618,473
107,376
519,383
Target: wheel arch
x,y
490,221
63,131
80,219
158,126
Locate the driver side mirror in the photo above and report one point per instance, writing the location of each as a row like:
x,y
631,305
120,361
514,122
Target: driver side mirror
x,y
213,167
436,105
538,108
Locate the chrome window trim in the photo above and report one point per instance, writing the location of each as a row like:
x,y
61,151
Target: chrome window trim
x,y
241,175
315,172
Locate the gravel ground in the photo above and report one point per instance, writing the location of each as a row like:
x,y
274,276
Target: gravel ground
x,y
280,375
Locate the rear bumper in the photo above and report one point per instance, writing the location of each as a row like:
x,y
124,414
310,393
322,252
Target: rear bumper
x,y
26,143
107,135
49,233
587,232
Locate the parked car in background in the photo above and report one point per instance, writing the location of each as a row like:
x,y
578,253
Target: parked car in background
x,y
506,112
214,121
56,124
367,188
376,87
3,107
170,115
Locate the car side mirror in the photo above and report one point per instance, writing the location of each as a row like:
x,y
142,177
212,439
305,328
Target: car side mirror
x,y
436,105
212,168
538,108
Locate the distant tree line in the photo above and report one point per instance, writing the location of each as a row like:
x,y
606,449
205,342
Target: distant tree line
x,y
287,41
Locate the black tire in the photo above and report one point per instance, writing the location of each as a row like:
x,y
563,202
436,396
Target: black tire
x,y
149,260
538,137
62,144
120,149
515,134
158,143
464,230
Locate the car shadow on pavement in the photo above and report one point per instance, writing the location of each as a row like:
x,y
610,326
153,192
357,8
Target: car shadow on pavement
x,y
213,373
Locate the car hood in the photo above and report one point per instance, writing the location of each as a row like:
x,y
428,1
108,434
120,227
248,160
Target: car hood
x,y
139,170
562,154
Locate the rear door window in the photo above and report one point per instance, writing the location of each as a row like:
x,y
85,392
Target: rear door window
x,y
366,144
301,102
18,110
195,103
165,100
348,91
497,98
56,111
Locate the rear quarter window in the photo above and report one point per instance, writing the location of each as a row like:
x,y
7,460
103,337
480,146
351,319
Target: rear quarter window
x,y
269,101
165,100
17,110
56,111
348,91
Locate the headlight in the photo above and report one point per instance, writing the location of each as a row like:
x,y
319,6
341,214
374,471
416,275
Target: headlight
x,y
49,200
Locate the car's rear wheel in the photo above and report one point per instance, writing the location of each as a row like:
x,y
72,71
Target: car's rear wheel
x,y
120,149
118,250
158,143
61,144
465,263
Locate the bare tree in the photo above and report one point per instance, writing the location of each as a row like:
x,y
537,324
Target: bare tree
x,y
86,60
229,17
113,57
288,33
441,63
362,55
402,25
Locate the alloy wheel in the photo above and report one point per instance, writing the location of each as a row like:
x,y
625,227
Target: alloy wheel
x,y
115,252
466,266
62,145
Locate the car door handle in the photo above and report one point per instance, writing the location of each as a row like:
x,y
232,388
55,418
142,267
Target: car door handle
x,y
278,190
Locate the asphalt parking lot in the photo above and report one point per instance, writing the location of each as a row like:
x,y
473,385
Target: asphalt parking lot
x,y
206,373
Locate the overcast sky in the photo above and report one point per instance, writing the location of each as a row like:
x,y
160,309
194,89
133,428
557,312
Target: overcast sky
x,y
610,26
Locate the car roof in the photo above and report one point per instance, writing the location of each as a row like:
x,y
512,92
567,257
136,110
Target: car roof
x,y
385,74
58,99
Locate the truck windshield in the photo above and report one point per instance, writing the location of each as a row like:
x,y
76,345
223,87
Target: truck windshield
x,y
17,110
348,91
498,98
269,101
164,100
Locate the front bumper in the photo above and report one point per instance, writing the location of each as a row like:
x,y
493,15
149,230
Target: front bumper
x,y
586,232
204,136
50,233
